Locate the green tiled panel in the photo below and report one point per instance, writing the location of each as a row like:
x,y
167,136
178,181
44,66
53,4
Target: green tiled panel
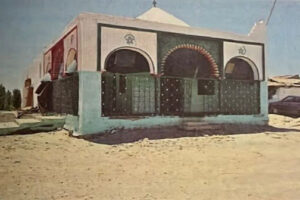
x,y
143,94
195,103
240,97
108,89
138,97
157,98
188,90
65,95
123,100
167,41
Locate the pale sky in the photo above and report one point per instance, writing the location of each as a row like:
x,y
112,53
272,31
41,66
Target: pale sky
x,y
27,26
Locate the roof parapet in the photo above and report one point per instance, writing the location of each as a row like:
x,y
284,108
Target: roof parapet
x,y
259,31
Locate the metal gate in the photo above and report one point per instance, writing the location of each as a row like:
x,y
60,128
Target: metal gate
x,y
143,94
128,94
171,96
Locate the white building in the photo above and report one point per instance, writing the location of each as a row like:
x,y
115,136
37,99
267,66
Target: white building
x,y
155,67
283,86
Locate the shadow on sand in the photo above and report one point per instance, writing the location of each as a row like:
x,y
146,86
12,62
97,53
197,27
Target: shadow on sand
x,y
128,136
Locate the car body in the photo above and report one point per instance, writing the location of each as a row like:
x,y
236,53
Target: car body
x,y
289,105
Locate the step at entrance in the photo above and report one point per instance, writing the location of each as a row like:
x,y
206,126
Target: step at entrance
x,y
199,126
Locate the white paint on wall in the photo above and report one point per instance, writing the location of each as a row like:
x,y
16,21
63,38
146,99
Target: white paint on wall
x,y
157,26
87,45
87,34
144,43
252,52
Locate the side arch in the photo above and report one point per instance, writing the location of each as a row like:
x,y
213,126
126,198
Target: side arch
x,y
139,51
233,69
71,59
213,67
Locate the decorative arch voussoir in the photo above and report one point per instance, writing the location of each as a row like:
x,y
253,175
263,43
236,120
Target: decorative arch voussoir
x,y
213,65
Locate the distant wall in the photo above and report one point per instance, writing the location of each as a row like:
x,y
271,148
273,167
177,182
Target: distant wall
x,y
283,92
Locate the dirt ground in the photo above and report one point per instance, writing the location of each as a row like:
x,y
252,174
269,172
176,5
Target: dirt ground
x,y
261,165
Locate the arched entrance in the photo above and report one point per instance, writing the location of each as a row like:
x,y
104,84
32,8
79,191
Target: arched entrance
x,y
129,60
188,70
189,61
241,87
241,68
127,86
71,61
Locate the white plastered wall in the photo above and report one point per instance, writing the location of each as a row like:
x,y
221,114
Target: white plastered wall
x,y
252,52
144,24
87,24
87,34
143,42
87,44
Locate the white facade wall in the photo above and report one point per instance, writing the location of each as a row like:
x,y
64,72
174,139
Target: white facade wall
x,y
87,27
87,44
143,24
144,42
252,52
89,119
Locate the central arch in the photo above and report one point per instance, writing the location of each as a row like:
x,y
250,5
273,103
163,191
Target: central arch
x,y
184,68
189,60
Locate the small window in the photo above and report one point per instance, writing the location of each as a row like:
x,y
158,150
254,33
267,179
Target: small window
x,y
122,84
206,87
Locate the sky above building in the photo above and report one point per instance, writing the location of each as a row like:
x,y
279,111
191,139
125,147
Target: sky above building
x,y
28,26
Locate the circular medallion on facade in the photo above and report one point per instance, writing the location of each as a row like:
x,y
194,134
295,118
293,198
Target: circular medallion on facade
x,y
242,50
130,39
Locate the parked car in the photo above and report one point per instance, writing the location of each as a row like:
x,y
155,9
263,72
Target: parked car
x,y
290,106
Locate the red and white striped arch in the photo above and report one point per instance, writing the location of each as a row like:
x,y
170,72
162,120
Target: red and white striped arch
x,y
213,65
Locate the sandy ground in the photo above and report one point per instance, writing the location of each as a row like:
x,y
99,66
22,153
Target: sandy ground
x,y
53,165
